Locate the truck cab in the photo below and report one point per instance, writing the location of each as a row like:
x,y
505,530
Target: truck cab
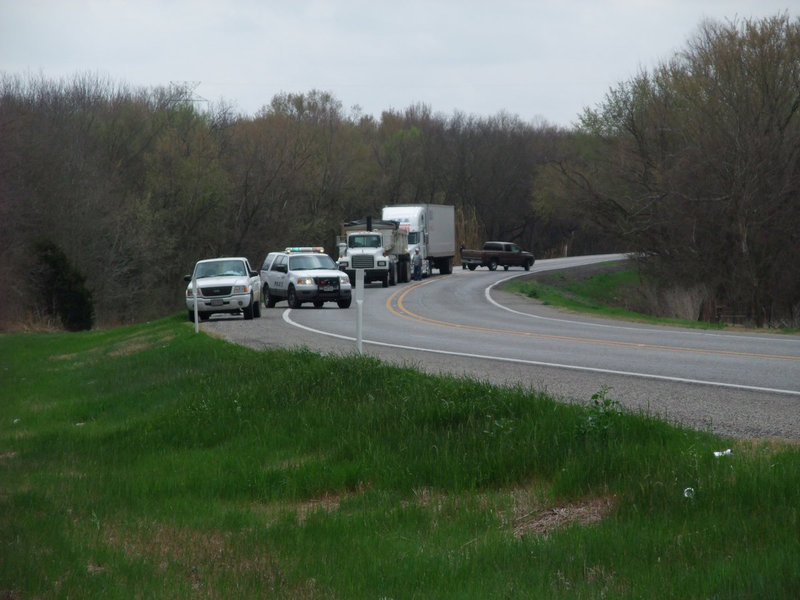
x,y
376,246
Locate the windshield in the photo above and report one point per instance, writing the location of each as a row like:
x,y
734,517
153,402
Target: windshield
x,y
311,262
220,268
413,237
364,241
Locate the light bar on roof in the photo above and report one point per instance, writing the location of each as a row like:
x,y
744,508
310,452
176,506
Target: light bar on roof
x,y
305,249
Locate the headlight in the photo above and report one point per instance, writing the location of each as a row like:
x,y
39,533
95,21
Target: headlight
x,y
381,263
240,289
305,281
344,279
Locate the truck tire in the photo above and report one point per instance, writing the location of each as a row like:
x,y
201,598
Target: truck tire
x,y
393,275
318,303
292,299
445,266
344,303
528,265
247,311
493,264
472,267
256,309
385,280
505,267
269,299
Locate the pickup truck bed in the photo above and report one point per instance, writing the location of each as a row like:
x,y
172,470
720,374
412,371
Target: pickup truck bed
x,y
497,254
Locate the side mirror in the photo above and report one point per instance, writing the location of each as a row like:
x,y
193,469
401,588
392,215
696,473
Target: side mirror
x,y
187,278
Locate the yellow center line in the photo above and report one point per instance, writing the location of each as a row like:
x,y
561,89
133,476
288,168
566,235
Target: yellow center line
x,y
401,311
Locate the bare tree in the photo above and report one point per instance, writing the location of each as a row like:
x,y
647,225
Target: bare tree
x,y
695,166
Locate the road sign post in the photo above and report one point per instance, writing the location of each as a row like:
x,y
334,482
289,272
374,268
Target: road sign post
x,y
359,309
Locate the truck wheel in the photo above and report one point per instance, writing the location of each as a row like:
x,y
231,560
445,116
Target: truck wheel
x,y
505,267
472,267
257,310
269,299
446,266
291,298
527,265
248,311
344,303
385,280
318,303
493,264
392,275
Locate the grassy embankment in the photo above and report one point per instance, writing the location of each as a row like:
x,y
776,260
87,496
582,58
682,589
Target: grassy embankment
x,y
605,294
152,462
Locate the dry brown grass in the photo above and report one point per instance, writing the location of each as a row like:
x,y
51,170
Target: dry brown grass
x,y
206,561
544,520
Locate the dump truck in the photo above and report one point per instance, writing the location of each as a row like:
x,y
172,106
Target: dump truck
x,y
379,247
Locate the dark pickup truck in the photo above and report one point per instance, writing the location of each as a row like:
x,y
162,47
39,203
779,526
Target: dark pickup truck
x,y
494,254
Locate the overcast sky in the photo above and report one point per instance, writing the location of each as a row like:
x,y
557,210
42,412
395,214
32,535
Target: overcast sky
x,y
538,59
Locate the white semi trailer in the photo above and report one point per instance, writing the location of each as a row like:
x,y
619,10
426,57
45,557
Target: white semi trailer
x,y
432,229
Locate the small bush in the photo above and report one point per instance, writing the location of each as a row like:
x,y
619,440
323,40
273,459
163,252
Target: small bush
x,y
61,288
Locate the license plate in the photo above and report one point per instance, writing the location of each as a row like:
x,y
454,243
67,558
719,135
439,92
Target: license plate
x,y
328,288
216,303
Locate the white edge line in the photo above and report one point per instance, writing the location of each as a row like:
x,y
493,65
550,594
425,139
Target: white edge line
x,y
537,363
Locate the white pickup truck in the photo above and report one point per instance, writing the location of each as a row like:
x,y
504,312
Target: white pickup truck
x,y
224,285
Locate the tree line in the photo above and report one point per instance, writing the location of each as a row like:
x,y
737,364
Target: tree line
x,y
693,167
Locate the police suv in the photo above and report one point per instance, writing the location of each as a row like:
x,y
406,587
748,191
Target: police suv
x,y
304,274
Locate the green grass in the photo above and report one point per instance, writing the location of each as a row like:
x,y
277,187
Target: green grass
x,y
152,462
601,295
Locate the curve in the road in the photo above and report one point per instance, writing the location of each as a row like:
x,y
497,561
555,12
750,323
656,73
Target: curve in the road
x,y
287,318
395,305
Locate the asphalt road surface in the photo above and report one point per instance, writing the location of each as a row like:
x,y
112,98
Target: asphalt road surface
x,y
735,383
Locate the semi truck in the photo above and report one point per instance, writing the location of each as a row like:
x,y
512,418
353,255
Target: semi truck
x,y
378,246
432,229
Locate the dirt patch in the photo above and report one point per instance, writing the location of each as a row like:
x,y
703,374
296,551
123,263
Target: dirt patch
x,y
543,522
328,503
530,512
138,344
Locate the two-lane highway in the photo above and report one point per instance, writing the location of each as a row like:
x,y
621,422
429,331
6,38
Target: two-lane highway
x,y
736,383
